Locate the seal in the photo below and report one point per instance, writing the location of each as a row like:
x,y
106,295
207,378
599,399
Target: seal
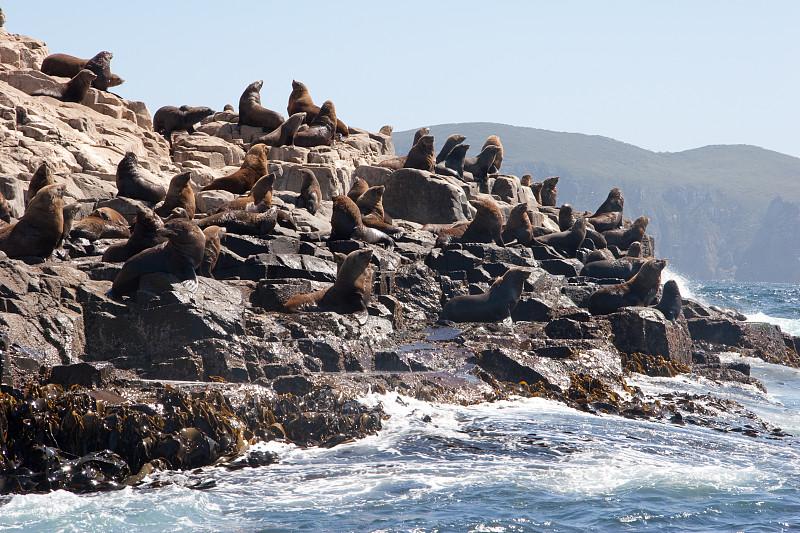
x,y
346,224
536,189
180,255
671,301
568,241
396,163
43,176
450,143
5,210
179,194
386,130
38,231
70,211
67,66
144,235
321,130
170,118
350,292
283,134
453,165
310,192
609,215
300,101
518,226
212,249
612,268
102,223
421,155
594,239
549,191
601,254
251,113
494,140
526,180
566,217
372,213
494,305
624,237
132,185
479,166
486,227
358,188
243,222
73,91
260,193
640,290
241,181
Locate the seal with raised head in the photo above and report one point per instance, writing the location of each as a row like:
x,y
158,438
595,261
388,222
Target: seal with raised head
x,y
358,188
518,226
526,180
261,192
241,181
480,165
487,226
170,118
67,66
321,130
350,292
566,217
180,255
179,194
251,112
243,222
494,305
451,142
346,223
300,101
396,163
671,301
73,91
131,184
549,191
144,235
640,290
568,241
624,237
421,155
70,211
453,164
310,192
609,215
44,175
212,249
494,140
102,223
38,232
372,213
283,134
5,210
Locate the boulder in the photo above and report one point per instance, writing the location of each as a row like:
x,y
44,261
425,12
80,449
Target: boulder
x,y
645,330
425,198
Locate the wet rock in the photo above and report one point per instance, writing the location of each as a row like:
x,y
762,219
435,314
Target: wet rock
x,y
645,330
91,375
765,340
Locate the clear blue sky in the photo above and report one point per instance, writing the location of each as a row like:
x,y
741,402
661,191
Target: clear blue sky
x,y
665,76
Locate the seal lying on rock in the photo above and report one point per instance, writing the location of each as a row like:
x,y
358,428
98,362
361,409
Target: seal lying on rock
x,y
241,181
179,194
640,290
73,91
494,305
624,237
568,241
102,223
283,134
67,66
346,223
486,227
38,232
321,130
132,185
300,101
243,222
251,113
350,292
170,118
260,193
144,235
609,215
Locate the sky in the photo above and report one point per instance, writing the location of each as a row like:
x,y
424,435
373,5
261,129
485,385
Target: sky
x,y
666,76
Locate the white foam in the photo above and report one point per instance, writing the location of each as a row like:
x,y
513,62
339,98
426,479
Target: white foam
x,y
787,325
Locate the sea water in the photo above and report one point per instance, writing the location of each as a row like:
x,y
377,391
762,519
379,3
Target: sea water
x,y
521,465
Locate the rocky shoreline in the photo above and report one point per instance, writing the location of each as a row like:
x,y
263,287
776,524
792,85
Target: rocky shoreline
x,y
98,392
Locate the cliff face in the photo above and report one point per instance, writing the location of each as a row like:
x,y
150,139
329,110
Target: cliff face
x,y
774,254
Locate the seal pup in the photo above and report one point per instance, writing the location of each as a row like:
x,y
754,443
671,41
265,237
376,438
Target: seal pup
x,y
346,224
67,66
300,101
73,91
487,226
479,166
494,140
350,292
494,305
640,290
518,226
450,143
671,301
70,211
320,130
453,165
260,193
568,241
251,113
102,223
144,235
180,255
132,185
284,134
609,215
212,249
310,192
179,194
549,191
624,237
421,155
243,222
170,118
38,232
241,181
44,175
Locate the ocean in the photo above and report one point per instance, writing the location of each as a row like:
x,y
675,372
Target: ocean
x,y
508,466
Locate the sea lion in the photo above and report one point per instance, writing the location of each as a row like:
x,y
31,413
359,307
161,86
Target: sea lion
x,y
609,215
536,189
486,227
300,101
594,239
73,91
310,192
624,237
549,191
132,185
612,268
67,66
453,165
350,292
566,217
241,181
568,241
144,235
494,140
284,134
358,188
38,231
494,305
526,180
396,163
321,130
480,165
180,255
179,194
70,211
170,118
346,223
640,290
251,113
44,175
421,155
419,134
243,222
372,213
386,130
671,301
600,254
5,210
102,223
450,143
261,193
518,226
212,249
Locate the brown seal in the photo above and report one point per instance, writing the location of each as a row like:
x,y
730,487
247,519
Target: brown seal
x,y
350,292
70,211
241,181
5,210
102,223
310,192
623,269
518,226
358,188
170,118
609,215
640,290
212,249
486,227
549,192
300,101
526,180
243,222
132,185
44,175
179,194
346,223
566,217
372,213
450,143
38,231
421,155
536,189
67,66
396,163
494,140
260,193
179,256
480,165
284,134
671,301
494,305
624,237
251,113
144,235
386,130
453,164
568,241
321,130
73,91
602,254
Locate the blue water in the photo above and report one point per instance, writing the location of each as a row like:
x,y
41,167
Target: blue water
x,y
522,465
